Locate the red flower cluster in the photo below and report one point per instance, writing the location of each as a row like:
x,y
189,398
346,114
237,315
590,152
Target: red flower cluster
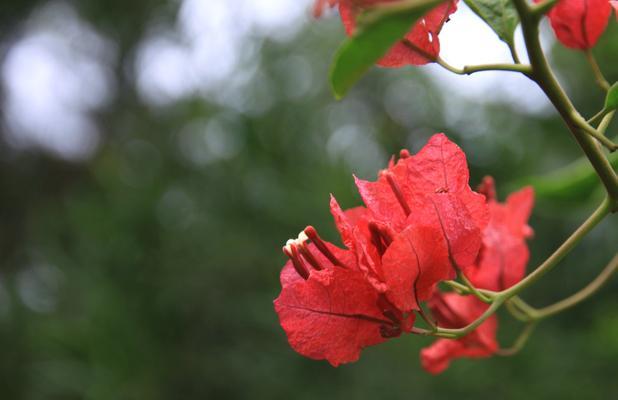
x,y
420,46
578,24
422,223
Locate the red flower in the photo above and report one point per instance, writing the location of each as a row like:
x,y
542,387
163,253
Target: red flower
x,y
327,307
504,255
578,24
421,220
420,46
404,265
454,311
430,189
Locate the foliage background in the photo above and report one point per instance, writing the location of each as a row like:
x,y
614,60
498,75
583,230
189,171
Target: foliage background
x,y
145,197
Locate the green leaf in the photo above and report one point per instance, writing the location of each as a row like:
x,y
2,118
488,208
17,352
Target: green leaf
x,y
611,101
378,30
500,15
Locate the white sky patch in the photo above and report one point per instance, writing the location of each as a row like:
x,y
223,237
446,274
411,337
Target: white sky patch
x,y
212,48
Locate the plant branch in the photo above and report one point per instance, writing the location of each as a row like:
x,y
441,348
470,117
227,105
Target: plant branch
x,y
611,146
497,302
583,294
542,8
511,293
519,342
592,221
598,75
472,289
546,80
471,69
607,119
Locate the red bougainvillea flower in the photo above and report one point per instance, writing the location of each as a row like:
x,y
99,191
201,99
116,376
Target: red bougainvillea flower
x,y
420,46
327,307
404,265
431,189
578,24
421,220
454,311
504,254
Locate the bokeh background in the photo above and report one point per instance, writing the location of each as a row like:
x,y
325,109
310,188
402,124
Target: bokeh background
x,y
155,155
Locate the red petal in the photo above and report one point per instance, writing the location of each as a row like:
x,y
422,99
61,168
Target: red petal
x,y
423,35
578,24
348,220
333,315
504,255
412,266
437,357
433,184
449,215
379,198
454,311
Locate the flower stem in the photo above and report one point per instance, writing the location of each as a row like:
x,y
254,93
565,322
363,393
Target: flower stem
x,y
519,342
542,8
471,69
598,75
607,119
495,305
472,289
586,127
583,294
511,293
592,221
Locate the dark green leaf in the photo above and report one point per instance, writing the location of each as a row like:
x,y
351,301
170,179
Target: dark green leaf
x,y
376,34
611,101
500,15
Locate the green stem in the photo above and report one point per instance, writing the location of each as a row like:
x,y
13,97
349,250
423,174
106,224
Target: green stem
x,y
598,75
516,312
607,119
519,342
562,251
471,69
542,8
497,302
546,80
510,293
472,289
583,294
463,289
585,126
598,116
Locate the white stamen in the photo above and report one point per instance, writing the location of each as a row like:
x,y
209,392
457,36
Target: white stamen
x,y
302,238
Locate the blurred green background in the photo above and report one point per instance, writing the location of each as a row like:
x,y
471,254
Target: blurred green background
x,y
155,155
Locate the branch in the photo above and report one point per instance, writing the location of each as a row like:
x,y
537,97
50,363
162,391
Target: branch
x,y
581,122
592,221
542,8
511,293
545,78
519,342
583,294
471,69
598,75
